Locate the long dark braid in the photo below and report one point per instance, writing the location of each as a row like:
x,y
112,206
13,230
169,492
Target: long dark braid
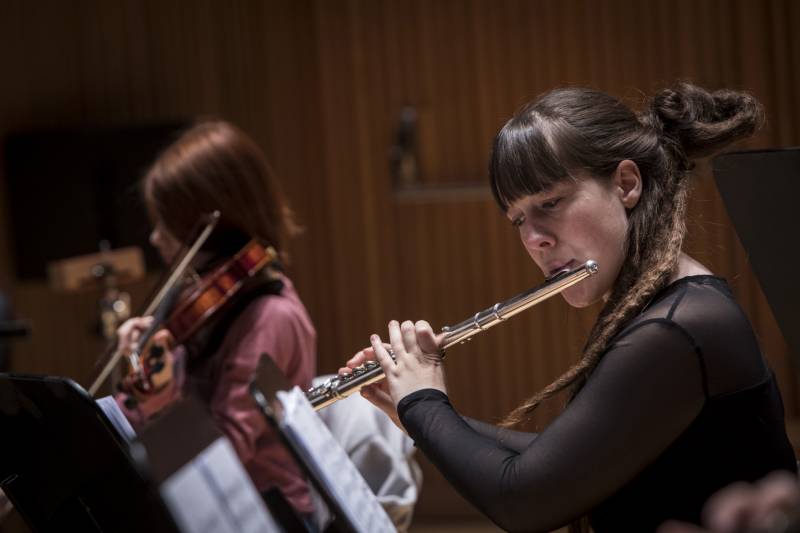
x,y
583,129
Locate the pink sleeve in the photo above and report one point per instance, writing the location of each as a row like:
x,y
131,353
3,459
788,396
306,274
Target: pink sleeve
x,y
275,325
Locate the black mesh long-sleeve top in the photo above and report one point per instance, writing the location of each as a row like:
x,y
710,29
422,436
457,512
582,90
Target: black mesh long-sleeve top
x,y
681,404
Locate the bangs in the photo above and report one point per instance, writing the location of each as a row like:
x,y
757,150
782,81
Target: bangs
x,y
524,160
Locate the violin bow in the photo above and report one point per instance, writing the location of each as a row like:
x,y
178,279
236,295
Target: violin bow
x,y
176,274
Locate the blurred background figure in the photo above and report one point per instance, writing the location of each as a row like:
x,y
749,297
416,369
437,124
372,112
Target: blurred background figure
x,y
214,166
770,505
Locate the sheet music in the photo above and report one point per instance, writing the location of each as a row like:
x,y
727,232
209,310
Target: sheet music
x,y
213,493
117,418
330,462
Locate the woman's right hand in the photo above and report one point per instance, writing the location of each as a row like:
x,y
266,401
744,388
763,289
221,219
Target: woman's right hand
x,y
130,331
377,393
157,386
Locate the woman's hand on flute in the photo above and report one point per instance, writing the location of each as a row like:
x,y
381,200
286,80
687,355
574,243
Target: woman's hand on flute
x,y
377,393
415,359
417,364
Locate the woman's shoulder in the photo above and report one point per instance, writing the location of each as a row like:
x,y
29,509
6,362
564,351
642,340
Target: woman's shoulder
x,y
692,306
284,308
690,299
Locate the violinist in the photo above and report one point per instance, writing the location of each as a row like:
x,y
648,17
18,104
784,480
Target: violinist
x,y
214,166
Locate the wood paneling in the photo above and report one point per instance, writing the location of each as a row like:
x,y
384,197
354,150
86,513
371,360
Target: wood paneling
x,y
319,84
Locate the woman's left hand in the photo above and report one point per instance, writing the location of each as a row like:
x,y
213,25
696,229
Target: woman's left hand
x,y
417,362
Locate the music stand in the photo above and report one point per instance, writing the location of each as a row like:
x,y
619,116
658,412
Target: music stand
x,y
63,465
760,189
200,478
352,504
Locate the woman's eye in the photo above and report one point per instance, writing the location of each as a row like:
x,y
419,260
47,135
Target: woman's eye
x,y
550,204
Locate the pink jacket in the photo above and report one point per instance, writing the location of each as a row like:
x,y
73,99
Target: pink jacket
x,y
278,325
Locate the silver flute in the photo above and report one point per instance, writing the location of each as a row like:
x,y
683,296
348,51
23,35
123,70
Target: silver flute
x,y
342,386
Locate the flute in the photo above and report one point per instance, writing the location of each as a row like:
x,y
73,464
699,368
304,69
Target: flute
x,y
342,386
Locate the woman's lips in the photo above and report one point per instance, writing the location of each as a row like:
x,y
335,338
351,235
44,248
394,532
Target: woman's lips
x,y
564,267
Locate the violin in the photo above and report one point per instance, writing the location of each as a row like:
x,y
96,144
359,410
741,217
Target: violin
x,y
159,305
196,306
216,289
182,311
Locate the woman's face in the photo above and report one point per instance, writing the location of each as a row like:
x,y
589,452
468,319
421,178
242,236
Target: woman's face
x,y
167,245
577,220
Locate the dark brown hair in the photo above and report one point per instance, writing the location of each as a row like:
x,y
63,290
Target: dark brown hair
x,y
571,130
216,166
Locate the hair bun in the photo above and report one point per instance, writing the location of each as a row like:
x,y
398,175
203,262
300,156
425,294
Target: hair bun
x,y
700,122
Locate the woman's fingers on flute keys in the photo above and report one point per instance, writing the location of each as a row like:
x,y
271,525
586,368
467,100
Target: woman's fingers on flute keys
x,y
361,357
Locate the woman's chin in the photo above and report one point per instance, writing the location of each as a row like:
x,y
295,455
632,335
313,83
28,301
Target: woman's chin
x,y
579,298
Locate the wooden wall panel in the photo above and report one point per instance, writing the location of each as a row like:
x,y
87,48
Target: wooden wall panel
x,y
320,84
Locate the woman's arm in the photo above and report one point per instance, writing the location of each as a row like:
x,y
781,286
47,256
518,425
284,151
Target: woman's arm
x,y
643,394
508,438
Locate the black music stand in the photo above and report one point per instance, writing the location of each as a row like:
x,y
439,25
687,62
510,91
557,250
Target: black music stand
x,y
63,465
761,189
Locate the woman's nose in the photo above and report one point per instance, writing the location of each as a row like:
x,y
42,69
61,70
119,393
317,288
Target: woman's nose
x,y
536,237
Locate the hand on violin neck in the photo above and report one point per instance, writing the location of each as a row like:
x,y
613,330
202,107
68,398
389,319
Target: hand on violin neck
x,y
130,331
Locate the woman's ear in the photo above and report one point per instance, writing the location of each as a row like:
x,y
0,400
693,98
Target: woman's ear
x,y
628,183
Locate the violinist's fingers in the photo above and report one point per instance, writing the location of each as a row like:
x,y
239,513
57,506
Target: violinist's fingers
x,y
130,331
133,324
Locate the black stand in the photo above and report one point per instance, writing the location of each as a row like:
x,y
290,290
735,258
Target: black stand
x,y
63,465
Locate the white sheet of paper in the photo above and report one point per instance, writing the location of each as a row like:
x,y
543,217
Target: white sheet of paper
x,y
117,418
331,464
213,493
